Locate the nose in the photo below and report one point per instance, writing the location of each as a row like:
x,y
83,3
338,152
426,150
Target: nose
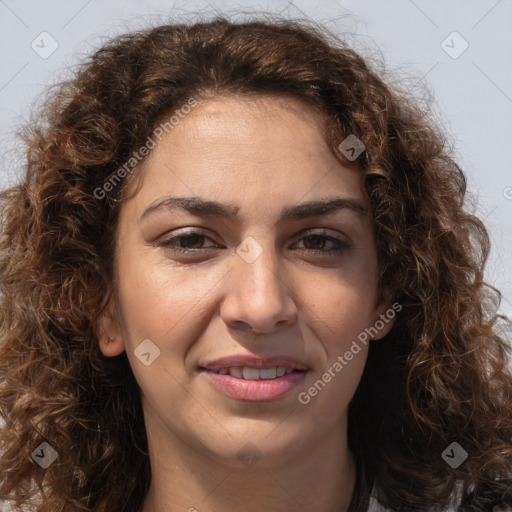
x,y
258,298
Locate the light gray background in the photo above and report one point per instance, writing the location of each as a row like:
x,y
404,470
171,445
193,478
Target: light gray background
x,y
473,92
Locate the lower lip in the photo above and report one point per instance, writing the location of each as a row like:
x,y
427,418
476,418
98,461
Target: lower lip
x,y
264,390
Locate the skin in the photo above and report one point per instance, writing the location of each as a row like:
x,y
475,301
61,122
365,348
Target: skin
x,y
261,155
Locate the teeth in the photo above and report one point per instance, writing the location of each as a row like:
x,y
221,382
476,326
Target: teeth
x,y
236,372
268,373
249,373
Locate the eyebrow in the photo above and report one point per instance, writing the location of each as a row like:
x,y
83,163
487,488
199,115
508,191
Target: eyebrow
x,y
300,211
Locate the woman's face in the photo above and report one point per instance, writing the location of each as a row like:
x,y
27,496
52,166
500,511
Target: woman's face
x,y
261,290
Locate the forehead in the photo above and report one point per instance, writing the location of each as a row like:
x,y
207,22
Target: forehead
x,y
242,150
255,127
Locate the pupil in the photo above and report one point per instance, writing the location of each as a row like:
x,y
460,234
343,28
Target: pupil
x,y
318,239
185,240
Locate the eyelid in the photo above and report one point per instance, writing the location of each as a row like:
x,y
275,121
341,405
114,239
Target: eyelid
x,y
322,232
188,232
201,231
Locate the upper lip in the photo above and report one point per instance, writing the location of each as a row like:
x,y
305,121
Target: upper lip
x,y
255,362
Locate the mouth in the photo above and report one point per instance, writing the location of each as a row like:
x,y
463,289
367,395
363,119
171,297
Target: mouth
x,y
251,373
254,380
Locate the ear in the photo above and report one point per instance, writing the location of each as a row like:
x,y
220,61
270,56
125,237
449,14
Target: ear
x,y
384,317
108,332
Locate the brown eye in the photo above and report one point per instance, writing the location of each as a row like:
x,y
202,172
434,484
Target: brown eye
x,y
319,241
191,242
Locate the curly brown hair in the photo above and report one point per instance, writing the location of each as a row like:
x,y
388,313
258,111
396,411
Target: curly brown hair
x,y
440,375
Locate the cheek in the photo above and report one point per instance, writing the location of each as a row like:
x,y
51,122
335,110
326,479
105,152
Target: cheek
x,y
341,310
164,303
340,318
149,295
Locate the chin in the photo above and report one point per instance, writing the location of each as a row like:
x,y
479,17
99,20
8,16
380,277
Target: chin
x,y
257,449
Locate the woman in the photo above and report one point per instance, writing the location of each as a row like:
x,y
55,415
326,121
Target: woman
x,y
238,275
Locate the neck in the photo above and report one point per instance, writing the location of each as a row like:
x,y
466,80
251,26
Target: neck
x,y
322,478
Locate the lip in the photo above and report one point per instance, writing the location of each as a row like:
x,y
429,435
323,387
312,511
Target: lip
x,y
252,361
263,390
248,390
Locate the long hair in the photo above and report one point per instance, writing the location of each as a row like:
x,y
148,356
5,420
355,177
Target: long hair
x,y
439,377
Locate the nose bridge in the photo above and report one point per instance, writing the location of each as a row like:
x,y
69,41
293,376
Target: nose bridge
x,y
259,294
257,266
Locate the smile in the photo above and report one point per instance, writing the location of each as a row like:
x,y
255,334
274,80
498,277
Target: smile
x,y
249,373
246,384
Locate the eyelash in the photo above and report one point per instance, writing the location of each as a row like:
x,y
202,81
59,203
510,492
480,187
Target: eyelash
x,y
169,243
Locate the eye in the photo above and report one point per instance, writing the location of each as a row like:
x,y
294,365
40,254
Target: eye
x,y
192,243
182,243
320,240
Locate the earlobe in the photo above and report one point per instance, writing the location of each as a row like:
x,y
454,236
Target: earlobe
x,y
384,321
111,347
108,333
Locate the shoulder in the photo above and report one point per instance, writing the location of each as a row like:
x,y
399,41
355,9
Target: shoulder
x,y
375,506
